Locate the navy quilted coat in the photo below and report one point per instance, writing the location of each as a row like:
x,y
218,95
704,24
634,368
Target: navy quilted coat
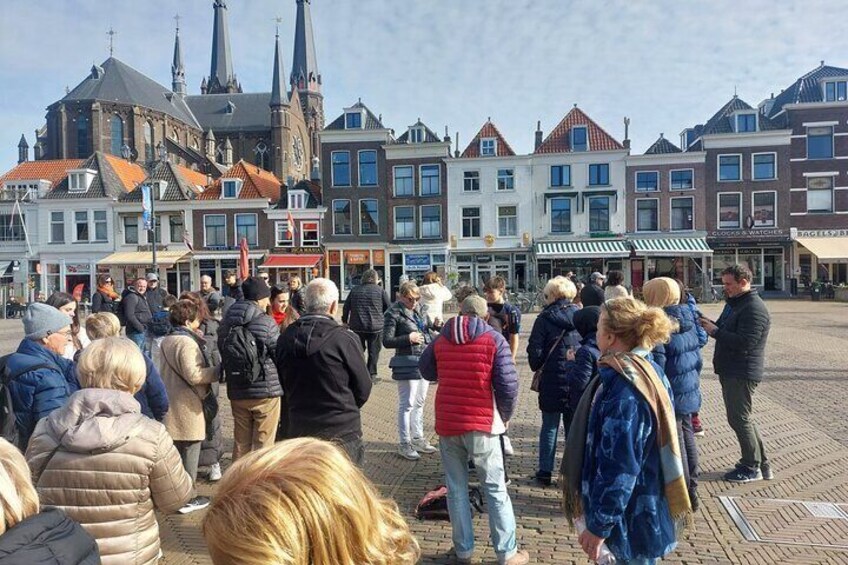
x,y
556,392
681,360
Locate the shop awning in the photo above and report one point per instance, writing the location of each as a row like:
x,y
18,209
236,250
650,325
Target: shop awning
x,y
826,248
589,249
164,258
671,246
291,261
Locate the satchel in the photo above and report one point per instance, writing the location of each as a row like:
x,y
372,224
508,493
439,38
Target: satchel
x,y
208,401
537,375
404,367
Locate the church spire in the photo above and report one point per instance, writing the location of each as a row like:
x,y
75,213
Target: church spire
x,y
305,75
278,87
178,82
221,76
23,150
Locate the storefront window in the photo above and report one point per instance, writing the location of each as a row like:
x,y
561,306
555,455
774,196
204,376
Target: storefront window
x,y
753,259
722,260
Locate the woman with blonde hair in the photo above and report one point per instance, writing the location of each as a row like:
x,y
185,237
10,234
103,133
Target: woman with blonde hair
x,y
104,463
303,501
30,536
623,475
433,297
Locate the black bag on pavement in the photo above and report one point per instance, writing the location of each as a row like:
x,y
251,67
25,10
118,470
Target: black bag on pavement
x,y
434,505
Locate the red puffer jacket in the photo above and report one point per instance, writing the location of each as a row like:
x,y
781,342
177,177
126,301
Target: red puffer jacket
x,y
478,383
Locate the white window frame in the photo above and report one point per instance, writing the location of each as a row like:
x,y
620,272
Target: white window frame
x,y
636,215
510,175
395,177
571,137
303,229
236,227
395,225
774,225
498,218
79,180
421,168
671,188
137,229
205,241
746,113
297,200
636,181
462,222
836,89
53,222
570,215
333,215
359,215
832,195
416,135
333,170
754,169
87,225
494,142
832,143
93,227
362,119
464,178
238,185
359,168
718,167
421,221
671,213
281,227
718,211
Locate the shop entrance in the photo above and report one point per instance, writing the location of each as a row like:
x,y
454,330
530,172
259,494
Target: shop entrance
x,y
769,269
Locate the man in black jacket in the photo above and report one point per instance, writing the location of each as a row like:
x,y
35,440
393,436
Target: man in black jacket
x,y
136,312
154,294
593,293
323,372
741,333
363,313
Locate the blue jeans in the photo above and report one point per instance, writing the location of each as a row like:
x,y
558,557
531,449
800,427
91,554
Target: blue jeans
x,y
485,451
637,561
139,339
548,438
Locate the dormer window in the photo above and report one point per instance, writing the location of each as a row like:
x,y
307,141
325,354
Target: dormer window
x,y
746,122
230,188
416,135
353,120
579,138
835,91
488,147
297,200
80,180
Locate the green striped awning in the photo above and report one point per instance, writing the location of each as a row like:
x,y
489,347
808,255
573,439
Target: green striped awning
x,y
588,249
671,246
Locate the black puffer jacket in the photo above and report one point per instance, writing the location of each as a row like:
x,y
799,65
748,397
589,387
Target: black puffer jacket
x,y
102,302
48,538
592,295
398,322
210,332
266,332
297,300
155,297
136,311
555,392
364,308
743,329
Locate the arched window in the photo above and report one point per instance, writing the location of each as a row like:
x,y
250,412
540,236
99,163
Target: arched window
x,y
148,142
83,137
262,156
117,135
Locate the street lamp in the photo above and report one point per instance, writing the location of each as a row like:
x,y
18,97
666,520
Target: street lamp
x,y
148,197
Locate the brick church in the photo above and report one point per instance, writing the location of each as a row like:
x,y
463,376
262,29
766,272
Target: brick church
x,y
118,110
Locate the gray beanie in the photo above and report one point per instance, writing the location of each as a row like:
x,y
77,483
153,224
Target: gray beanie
x,y
41,319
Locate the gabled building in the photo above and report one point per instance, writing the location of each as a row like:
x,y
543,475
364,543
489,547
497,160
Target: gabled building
x,y
747,191
666,209
355,191
417,202
814,110
579,198
490,216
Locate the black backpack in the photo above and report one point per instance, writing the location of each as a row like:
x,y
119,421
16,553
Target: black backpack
x,y
240,354
434,505
8,426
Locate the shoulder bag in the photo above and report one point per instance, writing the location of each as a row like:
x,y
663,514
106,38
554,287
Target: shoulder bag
x,y
537,375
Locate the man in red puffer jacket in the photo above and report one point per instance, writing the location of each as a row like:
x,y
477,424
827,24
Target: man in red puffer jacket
x,y
478,389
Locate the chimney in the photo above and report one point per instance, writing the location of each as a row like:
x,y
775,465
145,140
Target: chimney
x,y
456,152
626,132
538,134
447,138
23,150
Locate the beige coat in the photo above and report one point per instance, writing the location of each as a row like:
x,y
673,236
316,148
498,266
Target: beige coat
x,y
106,465
180,363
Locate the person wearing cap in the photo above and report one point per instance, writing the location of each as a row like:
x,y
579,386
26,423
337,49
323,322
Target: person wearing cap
x,y
155,294
476,397
256,403
593,293
40,379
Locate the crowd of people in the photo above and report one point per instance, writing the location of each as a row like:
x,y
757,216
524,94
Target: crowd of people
x,y
109,428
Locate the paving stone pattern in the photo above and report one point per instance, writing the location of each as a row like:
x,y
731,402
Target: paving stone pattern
x,y
801,409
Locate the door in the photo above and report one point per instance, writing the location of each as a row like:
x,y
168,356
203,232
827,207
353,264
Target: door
x,y
768,272
485,271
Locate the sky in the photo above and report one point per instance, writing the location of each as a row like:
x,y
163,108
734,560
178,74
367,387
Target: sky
x,y
665,64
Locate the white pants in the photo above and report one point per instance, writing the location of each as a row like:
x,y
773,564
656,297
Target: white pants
x,y
412,395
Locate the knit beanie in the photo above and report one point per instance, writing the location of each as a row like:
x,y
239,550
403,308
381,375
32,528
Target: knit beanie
x,y
255,288
586,320
661,292
41,319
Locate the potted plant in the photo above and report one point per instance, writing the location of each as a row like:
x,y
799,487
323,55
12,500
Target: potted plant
x,y
815,291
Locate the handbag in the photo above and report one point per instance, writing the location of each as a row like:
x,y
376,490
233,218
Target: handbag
x,y
537,375
404,367
208,401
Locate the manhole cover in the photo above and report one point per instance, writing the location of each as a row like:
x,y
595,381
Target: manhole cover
x,y
793,522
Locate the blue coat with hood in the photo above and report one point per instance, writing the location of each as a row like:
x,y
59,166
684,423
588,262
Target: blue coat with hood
x,y
556,392
36,393
681,360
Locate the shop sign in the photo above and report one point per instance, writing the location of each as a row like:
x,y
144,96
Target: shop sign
x,y
77,268
334,258
775,233
356,257
796,233
379,257
417,262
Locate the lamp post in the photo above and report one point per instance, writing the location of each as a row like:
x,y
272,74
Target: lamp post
x,y
148,196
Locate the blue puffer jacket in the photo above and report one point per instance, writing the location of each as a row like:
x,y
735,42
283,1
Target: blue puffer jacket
x,y
622,483
583,369
153,397
555,391
681,360
35,394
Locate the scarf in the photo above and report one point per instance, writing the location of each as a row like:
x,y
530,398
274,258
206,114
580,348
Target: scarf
x,y
639,372
108,291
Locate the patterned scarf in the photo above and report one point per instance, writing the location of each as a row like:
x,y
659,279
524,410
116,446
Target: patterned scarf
x,y
641,375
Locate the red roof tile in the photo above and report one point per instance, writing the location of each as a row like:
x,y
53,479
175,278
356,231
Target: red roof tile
x,y
130,174
53,170
258,183
487,131
559,140
192,177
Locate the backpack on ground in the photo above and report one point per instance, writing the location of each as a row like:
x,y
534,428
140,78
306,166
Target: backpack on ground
x,y
434,505
240,355
8,426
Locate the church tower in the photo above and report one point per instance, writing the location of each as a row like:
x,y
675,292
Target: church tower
x,y
305,77
178,81
280,126
221,76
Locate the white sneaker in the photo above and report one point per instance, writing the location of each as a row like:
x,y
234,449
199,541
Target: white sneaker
x,y
422,446
406,451
214,473
508,446
195,504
